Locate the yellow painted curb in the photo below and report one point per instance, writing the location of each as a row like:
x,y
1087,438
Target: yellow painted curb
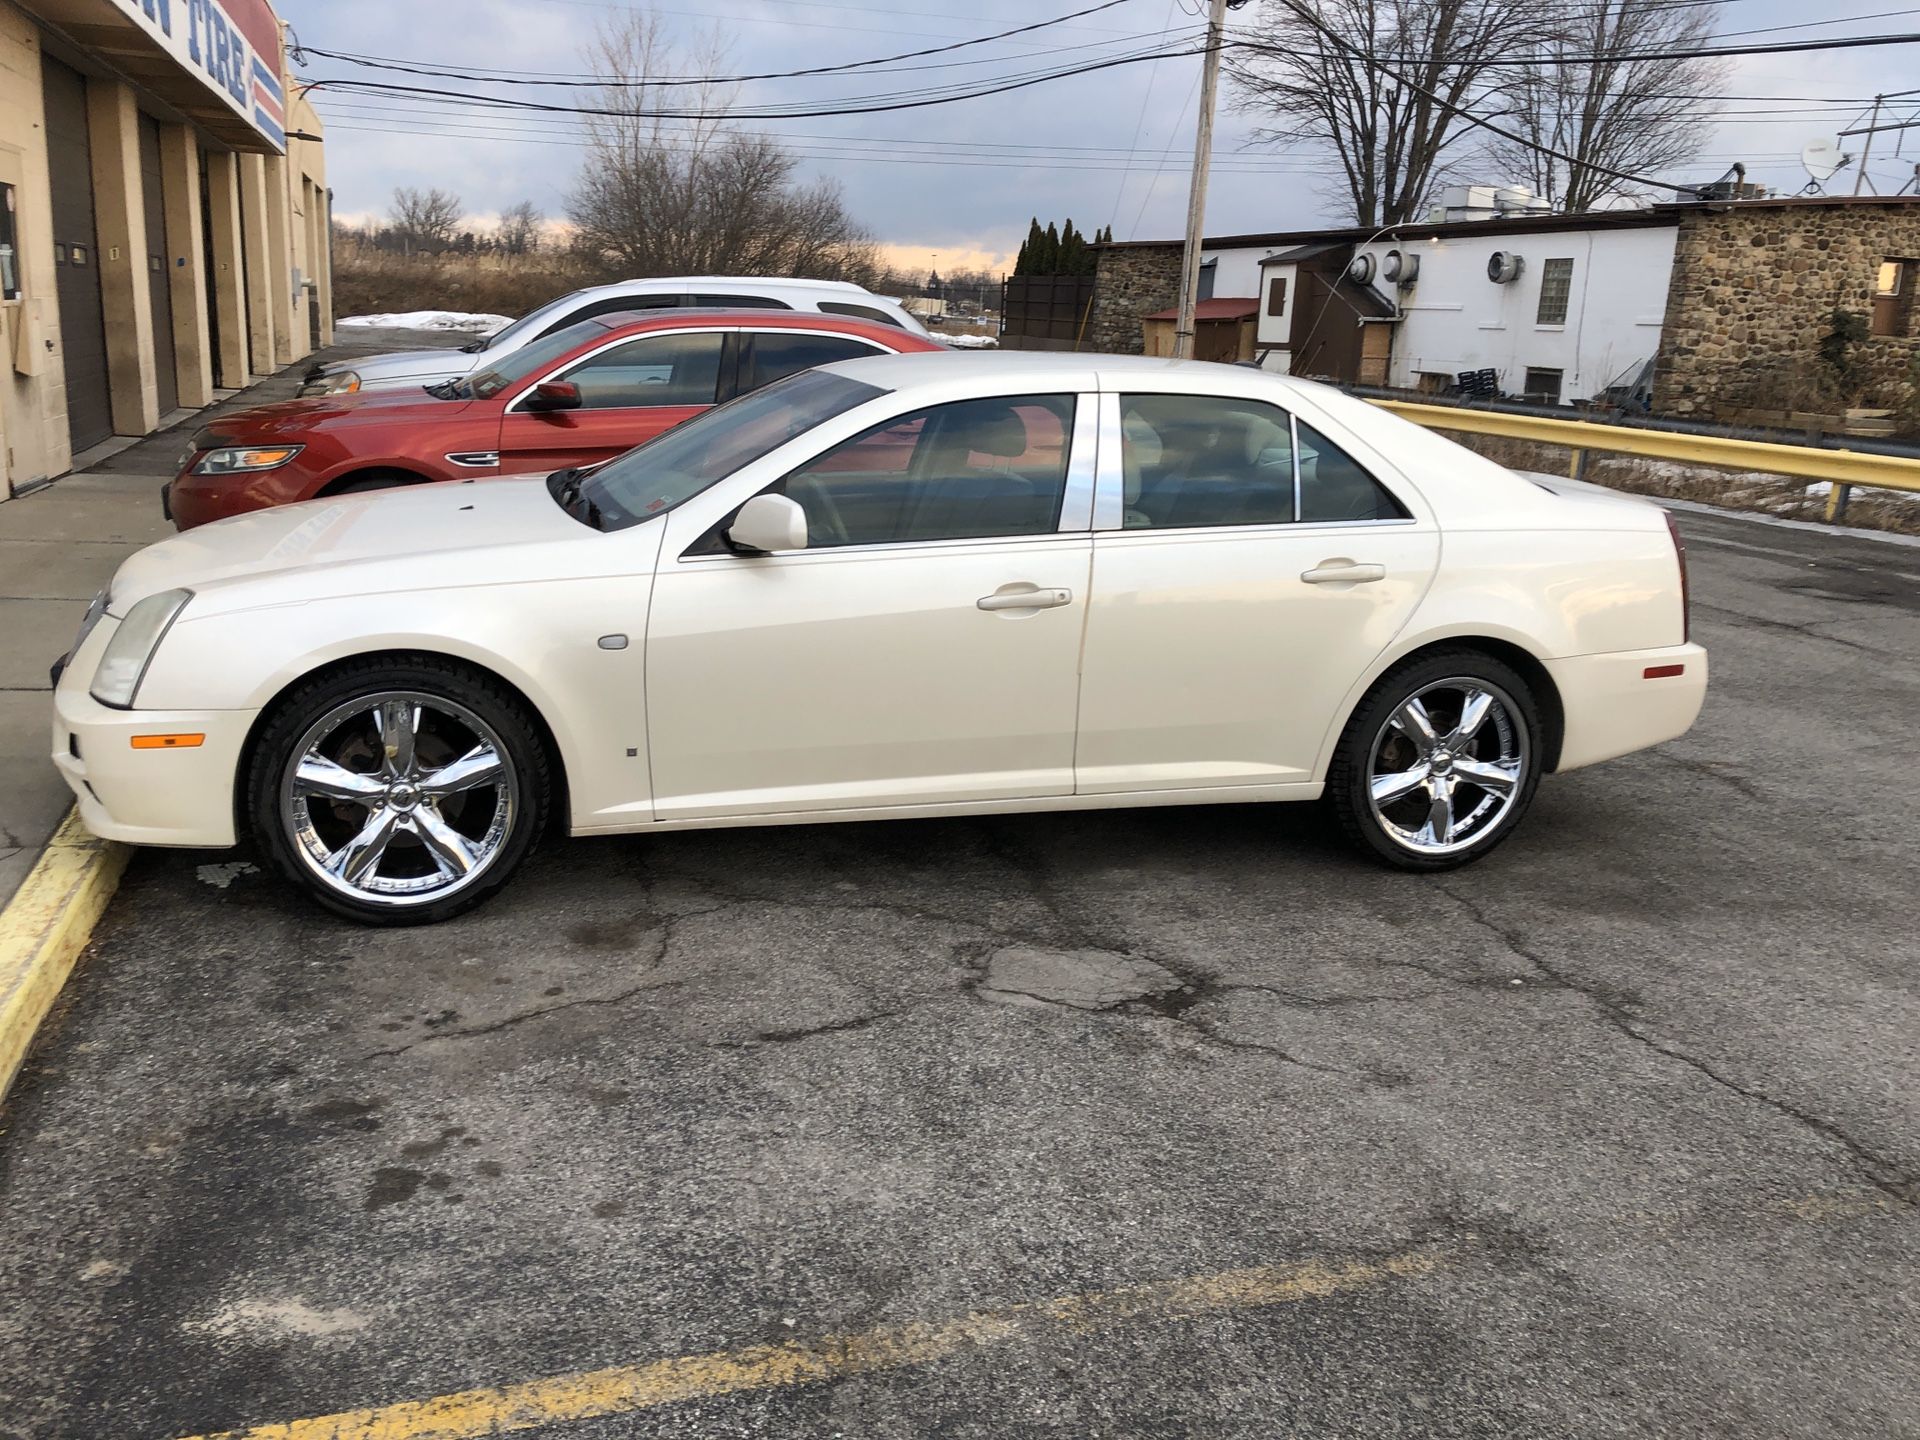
x,y
45,927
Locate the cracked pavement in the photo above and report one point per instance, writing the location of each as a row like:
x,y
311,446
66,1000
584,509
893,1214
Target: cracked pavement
x,y
1643,1078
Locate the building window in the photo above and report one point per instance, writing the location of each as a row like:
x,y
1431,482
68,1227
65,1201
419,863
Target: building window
x,y
1892,297
1556,284
1543,385
1277,296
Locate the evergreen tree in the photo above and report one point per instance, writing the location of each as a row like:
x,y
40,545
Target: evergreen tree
x,y
1050,251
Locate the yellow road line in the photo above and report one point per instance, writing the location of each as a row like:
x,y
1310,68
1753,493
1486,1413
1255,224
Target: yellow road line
x,y
44,928
501,1410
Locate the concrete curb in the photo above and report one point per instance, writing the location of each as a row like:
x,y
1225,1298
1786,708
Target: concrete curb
x,y
44,928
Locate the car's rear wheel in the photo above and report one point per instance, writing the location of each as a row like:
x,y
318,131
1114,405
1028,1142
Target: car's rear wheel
x,y
1439,762
399,792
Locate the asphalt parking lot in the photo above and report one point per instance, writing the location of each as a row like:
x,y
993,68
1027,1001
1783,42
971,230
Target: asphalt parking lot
x,y
1612,1134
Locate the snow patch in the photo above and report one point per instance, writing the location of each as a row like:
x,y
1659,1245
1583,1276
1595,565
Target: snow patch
x,y
431,320
971,342
222,875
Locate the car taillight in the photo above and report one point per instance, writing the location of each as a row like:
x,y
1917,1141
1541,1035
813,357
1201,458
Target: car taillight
x,y
1686,592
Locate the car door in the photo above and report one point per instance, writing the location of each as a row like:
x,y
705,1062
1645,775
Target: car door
x,y
923,649
1247,570
630,391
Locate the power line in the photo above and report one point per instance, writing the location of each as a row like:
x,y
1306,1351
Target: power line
x,y
299,51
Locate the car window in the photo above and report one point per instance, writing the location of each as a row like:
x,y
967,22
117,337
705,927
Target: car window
x,y
967,470
742,302
773,353
1193,460
673,467
613,305
531,359
860,312
1334,486
679,367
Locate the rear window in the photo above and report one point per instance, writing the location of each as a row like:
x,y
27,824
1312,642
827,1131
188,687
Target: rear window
x,y
860,312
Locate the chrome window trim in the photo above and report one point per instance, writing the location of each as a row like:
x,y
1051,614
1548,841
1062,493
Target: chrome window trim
x,y
513,405
883,548
1083,472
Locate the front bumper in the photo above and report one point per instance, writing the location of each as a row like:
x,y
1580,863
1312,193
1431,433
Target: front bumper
x,y
190,500
1614,706
180,796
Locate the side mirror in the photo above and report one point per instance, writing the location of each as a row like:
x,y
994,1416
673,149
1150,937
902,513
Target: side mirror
x,y
767,523
553,395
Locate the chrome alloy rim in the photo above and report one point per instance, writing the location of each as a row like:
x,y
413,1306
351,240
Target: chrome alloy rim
x,y
1448,765
398,798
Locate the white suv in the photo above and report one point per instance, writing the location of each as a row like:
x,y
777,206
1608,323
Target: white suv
x,y
430,367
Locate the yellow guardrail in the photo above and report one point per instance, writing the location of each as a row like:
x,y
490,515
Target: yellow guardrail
x,y
1843,468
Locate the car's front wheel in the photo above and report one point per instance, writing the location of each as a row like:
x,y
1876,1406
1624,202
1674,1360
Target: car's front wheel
x,y
399,792
1439,762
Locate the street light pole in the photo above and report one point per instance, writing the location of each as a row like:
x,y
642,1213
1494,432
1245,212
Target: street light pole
x,y
1197,195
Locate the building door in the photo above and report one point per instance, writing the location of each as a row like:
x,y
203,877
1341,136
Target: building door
x,y
212,272
159,267
83,335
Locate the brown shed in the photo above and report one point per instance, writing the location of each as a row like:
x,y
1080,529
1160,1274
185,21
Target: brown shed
x,y
1222,329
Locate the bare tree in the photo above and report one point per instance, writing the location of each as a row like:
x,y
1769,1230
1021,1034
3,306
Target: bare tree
x,y
425,219
695,195
1357,76
519,230
1611,110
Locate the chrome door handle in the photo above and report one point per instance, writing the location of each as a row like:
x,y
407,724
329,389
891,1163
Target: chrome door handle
x,y
1025,599
1343,572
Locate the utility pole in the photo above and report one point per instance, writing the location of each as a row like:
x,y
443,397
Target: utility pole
x,y
1197,194
1866,153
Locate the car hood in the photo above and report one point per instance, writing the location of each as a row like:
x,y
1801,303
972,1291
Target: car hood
x,y
416,538
420,366
287,418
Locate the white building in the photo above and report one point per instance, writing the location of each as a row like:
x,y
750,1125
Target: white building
x,y
1559,306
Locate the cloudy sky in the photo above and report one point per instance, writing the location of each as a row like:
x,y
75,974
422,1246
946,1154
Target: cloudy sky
x,y
958,182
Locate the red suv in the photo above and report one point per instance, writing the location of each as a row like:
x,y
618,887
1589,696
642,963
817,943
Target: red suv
x,y
579,396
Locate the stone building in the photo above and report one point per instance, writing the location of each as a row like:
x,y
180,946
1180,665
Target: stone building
x,y
1753,291
163,219
1707,310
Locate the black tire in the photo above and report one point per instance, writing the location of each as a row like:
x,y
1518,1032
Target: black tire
x,y
1350,778
295,830
380,480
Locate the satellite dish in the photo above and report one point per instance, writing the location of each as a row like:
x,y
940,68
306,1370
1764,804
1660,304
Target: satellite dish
x,y
1822,159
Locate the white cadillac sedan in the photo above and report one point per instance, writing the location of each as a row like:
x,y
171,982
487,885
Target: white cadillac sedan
x,y
915,585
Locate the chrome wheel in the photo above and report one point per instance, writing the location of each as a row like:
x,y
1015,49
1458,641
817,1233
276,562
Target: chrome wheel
x,y
399,798
1448,765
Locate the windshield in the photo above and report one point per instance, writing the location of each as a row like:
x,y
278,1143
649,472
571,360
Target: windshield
x,y
519,327
528,360
678,464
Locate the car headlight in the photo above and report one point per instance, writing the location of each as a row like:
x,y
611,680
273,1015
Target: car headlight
x,y
240,459
342,382
130,651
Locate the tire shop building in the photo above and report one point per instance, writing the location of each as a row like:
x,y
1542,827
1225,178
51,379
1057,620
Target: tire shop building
x,y
163,219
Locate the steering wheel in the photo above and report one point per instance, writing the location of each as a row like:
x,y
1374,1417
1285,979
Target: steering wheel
x,y
823,516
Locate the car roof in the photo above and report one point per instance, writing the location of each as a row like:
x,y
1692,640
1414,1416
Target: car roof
x,y
655,283
755,317
1045,367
